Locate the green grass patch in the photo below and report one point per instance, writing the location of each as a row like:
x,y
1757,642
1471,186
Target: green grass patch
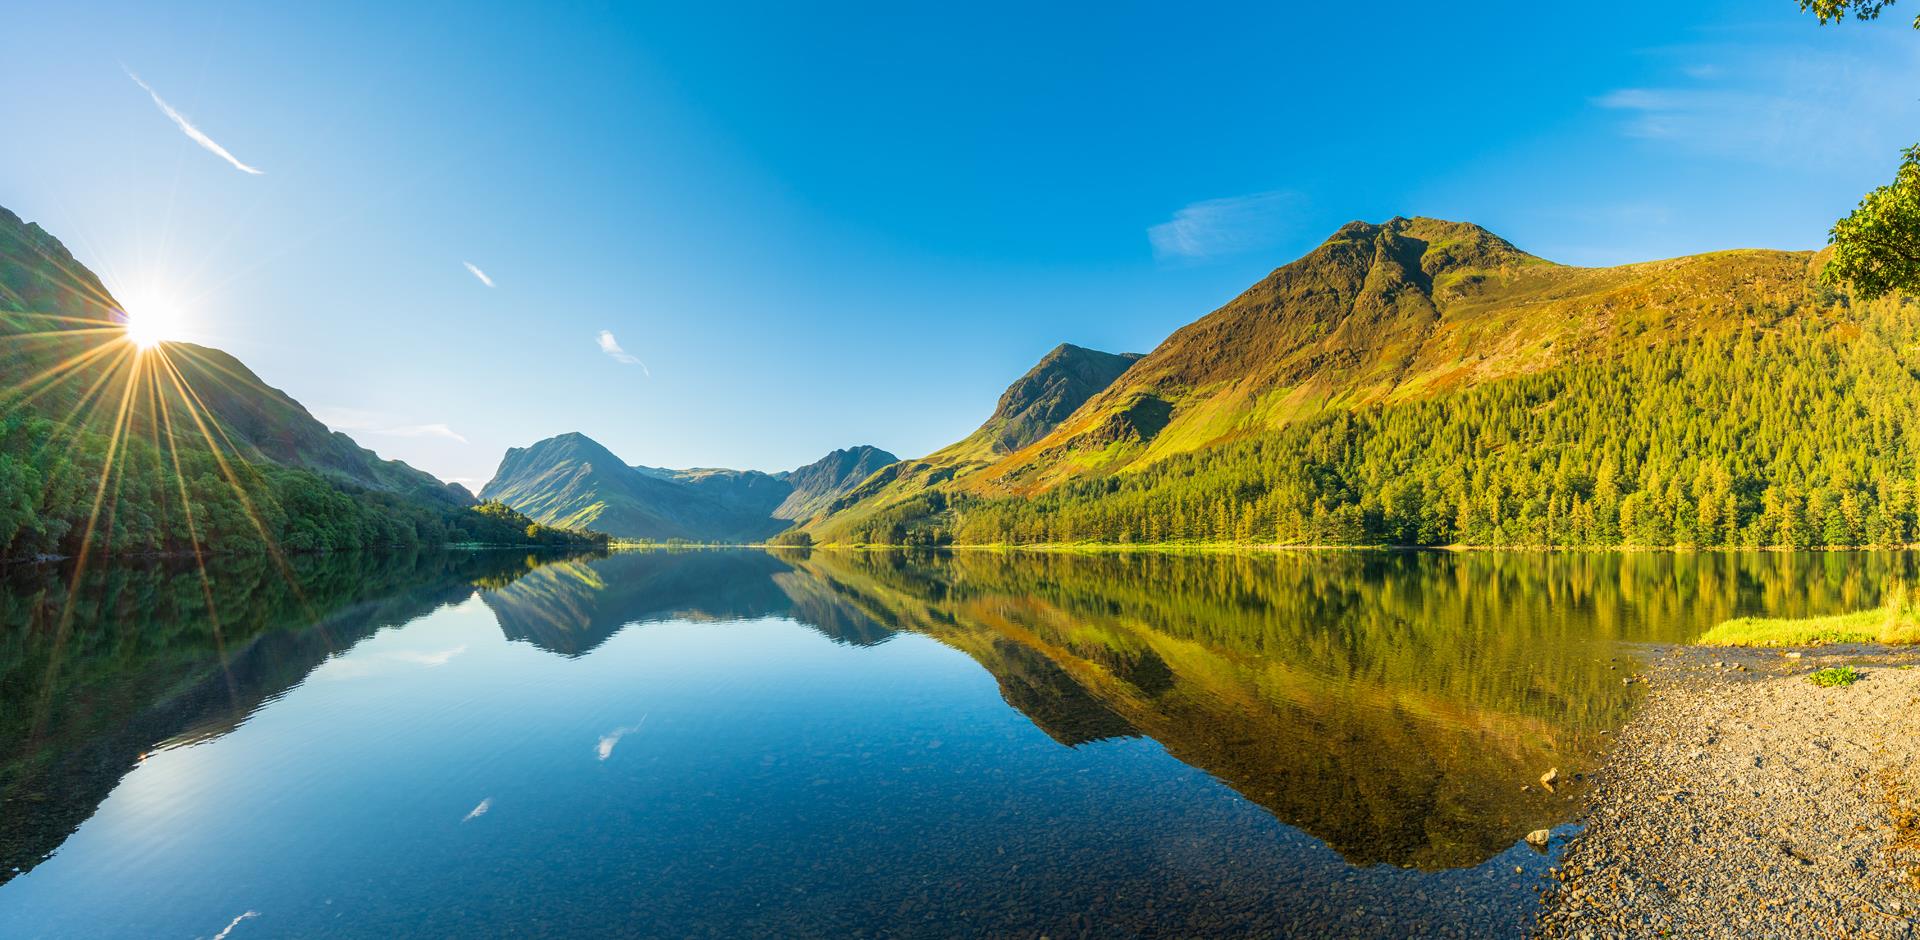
x,y
1866,626
1833,676
1895,623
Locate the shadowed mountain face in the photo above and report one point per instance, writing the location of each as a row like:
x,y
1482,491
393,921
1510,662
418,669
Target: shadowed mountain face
x,y
818,484
52,310
39,276
139,661
111,447
1058,384
572,481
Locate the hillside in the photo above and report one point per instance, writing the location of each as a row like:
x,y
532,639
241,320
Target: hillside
x,y
1401,311
815,486
98,434
570,480
1063,380
1426,382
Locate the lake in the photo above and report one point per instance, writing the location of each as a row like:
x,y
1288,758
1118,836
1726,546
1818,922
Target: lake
x,y
728,743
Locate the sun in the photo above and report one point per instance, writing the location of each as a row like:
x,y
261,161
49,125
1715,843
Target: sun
x,y
151,321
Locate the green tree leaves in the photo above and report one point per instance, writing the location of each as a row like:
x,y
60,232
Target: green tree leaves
x,y
1877,247
1834,11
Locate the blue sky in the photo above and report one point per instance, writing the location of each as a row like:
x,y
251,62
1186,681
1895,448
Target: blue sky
x,y
811,228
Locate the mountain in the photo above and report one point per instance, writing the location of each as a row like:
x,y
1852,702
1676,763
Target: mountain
x,y
177,446
572,481
1030,408
1399,311
815,486
1038,401
1426,382
50,303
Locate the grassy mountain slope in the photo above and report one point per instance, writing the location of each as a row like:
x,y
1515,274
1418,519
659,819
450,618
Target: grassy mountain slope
x,y
1378,314
52,307
1425,382
1059,383
162,449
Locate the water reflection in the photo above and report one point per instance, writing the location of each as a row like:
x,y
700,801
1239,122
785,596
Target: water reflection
x,y
1395,708
94,677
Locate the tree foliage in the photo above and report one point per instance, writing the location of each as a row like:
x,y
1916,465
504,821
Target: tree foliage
x,y
1834,11
1800,434
1877,247
152,498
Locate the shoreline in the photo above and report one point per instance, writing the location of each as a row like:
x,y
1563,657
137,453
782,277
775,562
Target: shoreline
x,y
184,555
1742,800
1094,548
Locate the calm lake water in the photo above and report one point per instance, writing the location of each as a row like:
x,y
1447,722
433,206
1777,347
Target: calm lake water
x,y
738,743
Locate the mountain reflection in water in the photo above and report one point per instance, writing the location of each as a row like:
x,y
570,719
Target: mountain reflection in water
x,y
1395,707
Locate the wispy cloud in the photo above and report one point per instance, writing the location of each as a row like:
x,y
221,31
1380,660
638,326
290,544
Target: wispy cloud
x,y
611,347
479,811
224,931
186,127
482,275
385,425
607,741
361,665
1227,226
435,429
1779,106
428,658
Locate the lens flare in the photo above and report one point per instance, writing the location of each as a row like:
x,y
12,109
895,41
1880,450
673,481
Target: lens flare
x,y
151,319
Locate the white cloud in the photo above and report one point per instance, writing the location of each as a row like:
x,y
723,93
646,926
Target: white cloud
x,y
425,430
186,126
482,275
611,347
222,935
361,665
1227,226
352,420
429,659
605,748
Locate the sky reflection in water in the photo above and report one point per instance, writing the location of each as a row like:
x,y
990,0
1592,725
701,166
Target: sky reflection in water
x,y
732,743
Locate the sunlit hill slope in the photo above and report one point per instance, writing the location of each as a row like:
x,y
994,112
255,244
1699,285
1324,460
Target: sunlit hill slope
x,y
1426,382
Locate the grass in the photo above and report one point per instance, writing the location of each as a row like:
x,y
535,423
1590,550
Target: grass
x,y
1895,623
1835,676
1860,627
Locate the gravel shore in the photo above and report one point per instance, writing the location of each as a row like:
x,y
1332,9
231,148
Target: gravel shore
x,y
1744,801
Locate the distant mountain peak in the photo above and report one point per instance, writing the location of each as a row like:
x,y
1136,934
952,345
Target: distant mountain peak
x,y
571,479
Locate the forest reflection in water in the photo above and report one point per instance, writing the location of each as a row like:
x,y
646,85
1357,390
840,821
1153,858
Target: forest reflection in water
x,y
1396,707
